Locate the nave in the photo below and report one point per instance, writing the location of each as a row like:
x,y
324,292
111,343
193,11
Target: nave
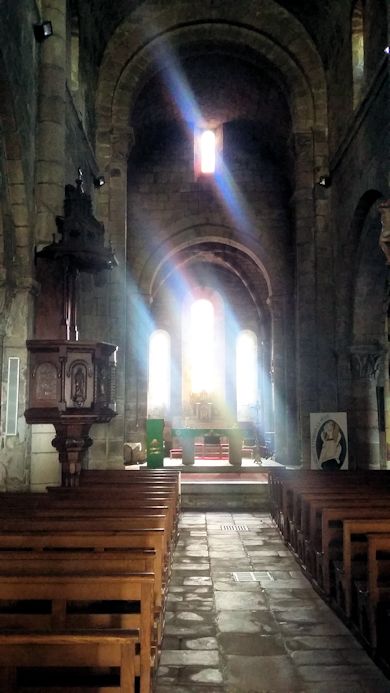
x,y
242,618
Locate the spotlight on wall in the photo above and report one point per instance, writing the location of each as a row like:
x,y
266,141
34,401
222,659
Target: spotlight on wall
x,y
324,181
42,31
387,50
99,181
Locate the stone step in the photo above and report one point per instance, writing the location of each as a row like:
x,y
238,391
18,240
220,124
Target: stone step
x,y
224,495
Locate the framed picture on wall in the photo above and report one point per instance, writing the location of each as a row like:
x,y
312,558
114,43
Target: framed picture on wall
x,y
329,441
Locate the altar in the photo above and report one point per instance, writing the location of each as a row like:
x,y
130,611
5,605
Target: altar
x,y
187,437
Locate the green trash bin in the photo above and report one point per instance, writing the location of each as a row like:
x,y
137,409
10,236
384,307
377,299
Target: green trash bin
x,y
155,443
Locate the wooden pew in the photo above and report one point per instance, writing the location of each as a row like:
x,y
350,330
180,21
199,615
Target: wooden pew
x,y
303,499
38,552
154,478
376,592
335,487
311,510
52,513
69,602
151,516
144,516
353,566
97,541
284,483
140,496
65,650
61,561
330,541
77,524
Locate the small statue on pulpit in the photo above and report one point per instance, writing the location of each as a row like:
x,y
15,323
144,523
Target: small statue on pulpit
x,y
79,385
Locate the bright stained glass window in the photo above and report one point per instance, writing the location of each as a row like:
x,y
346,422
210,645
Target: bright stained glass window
x,y
202,346
207,151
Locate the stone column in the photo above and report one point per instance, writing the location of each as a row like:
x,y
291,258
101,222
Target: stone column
x,y
305,291
363,416
140,329
265,387
384,238
384,242
282,370
50,162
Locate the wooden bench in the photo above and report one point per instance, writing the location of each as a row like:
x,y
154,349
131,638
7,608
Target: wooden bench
x,y
65,650
69,602
329,547
300,521
336,488
75,524
97,542
62,521
353,566
141,496
149,517
171,479
283,484
312,506
374,593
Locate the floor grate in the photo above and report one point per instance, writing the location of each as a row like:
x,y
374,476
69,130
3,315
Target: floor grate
x,y
235,528
252,576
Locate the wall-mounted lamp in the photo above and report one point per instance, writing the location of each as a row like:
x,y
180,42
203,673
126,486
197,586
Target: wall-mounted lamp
x,y
387,50
42,31
324,181
99,181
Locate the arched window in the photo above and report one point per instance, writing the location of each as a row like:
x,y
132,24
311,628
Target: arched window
x,y
246,375
159,385
357,38
202,340
207,151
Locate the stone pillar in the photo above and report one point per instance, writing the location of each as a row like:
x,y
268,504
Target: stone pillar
x,y
265,387
15,456
384,238
50,161
363,416
305,291
140,329
282,379
384,242
117,324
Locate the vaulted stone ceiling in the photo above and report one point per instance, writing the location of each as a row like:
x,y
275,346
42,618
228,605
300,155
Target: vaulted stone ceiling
x,y
313,15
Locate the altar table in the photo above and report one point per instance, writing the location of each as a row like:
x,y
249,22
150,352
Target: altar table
x,y
187,437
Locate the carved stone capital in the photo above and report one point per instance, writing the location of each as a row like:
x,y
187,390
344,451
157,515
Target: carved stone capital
x,y
384,238
365,362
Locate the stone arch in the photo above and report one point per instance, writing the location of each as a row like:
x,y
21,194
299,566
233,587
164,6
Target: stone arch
x,y
282,29
209,234
129,59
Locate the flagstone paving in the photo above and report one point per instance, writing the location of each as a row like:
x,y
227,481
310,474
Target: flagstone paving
x,y
263,630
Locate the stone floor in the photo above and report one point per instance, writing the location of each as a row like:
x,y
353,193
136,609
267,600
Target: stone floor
x,y
241,618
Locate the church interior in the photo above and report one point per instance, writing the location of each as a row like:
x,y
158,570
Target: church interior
x,y
194,242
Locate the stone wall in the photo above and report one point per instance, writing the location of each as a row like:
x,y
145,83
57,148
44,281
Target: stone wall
x,y
282,88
